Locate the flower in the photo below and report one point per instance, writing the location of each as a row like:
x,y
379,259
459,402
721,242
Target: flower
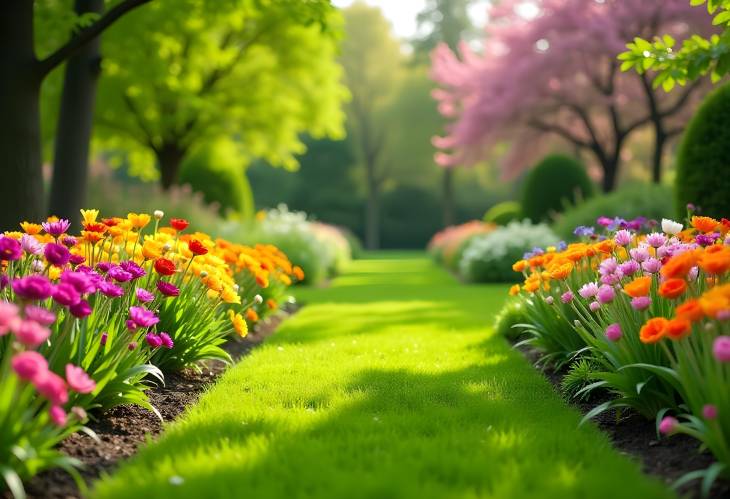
x,y
239,323
622,237
640,302
133,268
56,254
715,263
104,337
163,266
132,345
606,294
167,288
629,267
143,295
111,290
69,241
640,286
549,300
678,328
709,411
119,274
41,315
30,228
653,330
138,220
52,386
706,239
78,380
81,309
8,316
57,227
166,341
668,425
689,310
651,266
58,415
153,340
10,249
103,267
608,266
640,254
588,290
251,315
143,317
566,297
197,247
33,287
29,365
594,306
584,231
76,259
514,290
656,239
65,294
83,282
672,288
671,227
179,223
704,224
721,348
613,332
30,245
158,214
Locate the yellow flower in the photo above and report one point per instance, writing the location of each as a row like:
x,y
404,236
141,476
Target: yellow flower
x,y
239,323
54,273
152,249
14,235
89,216
30,228
229,295
138,220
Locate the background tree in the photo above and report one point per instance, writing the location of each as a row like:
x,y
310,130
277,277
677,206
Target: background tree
x,y
372,61
189,71
553,71
21,196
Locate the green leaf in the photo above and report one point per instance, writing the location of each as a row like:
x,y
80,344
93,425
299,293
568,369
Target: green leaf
x,y
13,482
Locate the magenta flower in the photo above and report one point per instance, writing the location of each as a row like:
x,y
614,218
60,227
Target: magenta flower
x,y
613,332
651,266
81,309
69,241
30,333
611,279
622,237
29,365
143,317
78,380
131,325
76,259
668,425
58,415
706,239
608,266
40,315
166,341
656,239
10,249
629,268
83,282
66,295
104,338
56,228
103,267
606,294
588,290
31,245
52,387
110,289
132,345
721,348
33,287
640,302
133,268
8,316
143,295
119,274
594,306
567,297
153,340
709,411
169,289
604,221
56,254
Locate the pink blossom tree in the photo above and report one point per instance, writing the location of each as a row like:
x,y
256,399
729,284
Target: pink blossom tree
x,y
548,68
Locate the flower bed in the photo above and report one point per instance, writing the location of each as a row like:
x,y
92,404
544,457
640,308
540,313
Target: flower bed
x,y
641,312
90,322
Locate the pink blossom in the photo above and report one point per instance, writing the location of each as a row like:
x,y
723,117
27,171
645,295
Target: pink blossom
x,y
567,297
143,317
58,415
640,302
611,279
639,254
709,411
153,340
143,295
29,365
656,239
31,245
33,287
166,341
81,281
65,294
613,332
606,294
622,237
608,266
41,315
629,268
52,386
81,309
668,425
30,333
651,266
588,290
721,348
8,316
594,306
78,380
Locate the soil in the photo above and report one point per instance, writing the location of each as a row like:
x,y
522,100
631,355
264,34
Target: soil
x,y
123,429
635,436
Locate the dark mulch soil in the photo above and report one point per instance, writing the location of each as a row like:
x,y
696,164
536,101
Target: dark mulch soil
x,y
633,435
122,430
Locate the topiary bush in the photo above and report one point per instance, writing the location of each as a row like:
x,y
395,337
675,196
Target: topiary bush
x,y
556,182
703,161
216,170
503,213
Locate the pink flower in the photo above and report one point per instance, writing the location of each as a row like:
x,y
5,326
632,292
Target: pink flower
x,y
567,297
640,302
131,325
656,239
651,266
30,333
166,341
56,228
594,306
639,254
29,365
52,386
41,315
606,294
143,295
10,249
111,290
8,316
613,332
629,267
58,415
81,309
709,411
668,425
78,380
167,289
31,245
622,237
32,287
721,348
608,266
81,281
56,254
65,294
588,290
142,317
611,279
153,340
104,338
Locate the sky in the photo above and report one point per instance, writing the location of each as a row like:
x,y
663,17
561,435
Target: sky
x,y
402,13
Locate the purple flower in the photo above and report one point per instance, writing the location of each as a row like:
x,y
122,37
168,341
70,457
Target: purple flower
x,y
166,341
651,266
622,237
110,289
721,348
119,274
588,290
611,279
706,239
103,267
81,281
65,294
608,266
613,332
639,254
640,302
606,294
41,315
153,340
584,231
33,287
629,267
143,317
636,224
10,249
104,338
604,221
77,259
567,297
656,239
594,306
143,295
56,254
167,289
31,245
131,325
81,309
4,281
69,241
133,268
56,228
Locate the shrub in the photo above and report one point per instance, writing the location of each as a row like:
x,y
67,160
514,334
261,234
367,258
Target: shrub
x,y
489,257
447,246
512,314
703,160
556,182
216,170
648,200
503,213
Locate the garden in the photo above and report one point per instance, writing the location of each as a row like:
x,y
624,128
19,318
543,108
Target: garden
x,y
329,248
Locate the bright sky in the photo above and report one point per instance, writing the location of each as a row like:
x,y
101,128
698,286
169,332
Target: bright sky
x,y
402,13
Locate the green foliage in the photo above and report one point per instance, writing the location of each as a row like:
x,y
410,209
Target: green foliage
x,y
634,200
580,374
512,313
503,213
216,170
556,181
703,161
410,217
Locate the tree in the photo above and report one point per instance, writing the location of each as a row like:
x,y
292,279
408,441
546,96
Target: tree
x,y
372,60
21,195
189,71
449,22
553,72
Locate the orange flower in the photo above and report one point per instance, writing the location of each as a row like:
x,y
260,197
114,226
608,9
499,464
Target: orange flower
x,y
653,330
561,271
638,287
672,288
715,300
714,261
531,286
689,310
677,329
679,265
30,228
536,261
298,273
271,304
252,316
514,290
704,224
605,246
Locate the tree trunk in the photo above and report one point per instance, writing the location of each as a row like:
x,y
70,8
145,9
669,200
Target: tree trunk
x,y
610,173
660,139
169,157
21,192
447,193
75,121
372,213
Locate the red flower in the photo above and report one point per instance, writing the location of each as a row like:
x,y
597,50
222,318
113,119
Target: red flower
x,y
95,227
179,223
111,222
163,266
197,247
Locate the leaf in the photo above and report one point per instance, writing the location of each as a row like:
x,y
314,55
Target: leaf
x,y
665,373
591,387
13,481
710,476
600,409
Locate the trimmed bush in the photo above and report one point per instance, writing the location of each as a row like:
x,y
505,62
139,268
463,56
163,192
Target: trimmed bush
x,y
503,213
556,182
505,323
648,200
216,170
703,161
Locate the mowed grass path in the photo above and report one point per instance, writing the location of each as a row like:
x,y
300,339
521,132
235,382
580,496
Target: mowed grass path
x,y
387,384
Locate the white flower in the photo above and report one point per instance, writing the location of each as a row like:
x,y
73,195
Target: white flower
x,y
158,214
671,227
258,299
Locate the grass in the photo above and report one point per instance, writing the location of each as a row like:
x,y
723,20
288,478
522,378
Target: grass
x,y
387,384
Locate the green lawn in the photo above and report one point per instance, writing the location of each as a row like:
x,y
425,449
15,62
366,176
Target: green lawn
x,y
387,384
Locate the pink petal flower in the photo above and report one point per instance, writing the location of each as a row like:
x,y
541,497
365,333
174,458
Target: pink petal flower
x,y
78,380
29,365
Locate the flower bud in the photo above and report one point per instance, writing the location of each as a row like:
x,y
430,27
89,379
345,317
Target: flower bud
x,y
258,299
159,214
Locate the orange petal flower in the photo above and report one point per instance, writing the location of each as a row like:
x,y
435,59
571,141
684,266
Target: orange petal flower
x,y
653,330
638,287
689,310
561,271
514,290
676,329
679,265
715,262
704,224
672,288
